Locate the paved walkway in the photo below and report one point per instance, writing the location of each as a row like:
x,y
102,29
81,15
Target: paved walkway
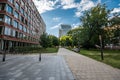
x,y
27,67
85,68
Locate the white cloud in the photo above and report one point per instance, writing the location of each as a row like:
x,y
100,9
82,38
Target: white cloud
x,y
68,4
85,5
64,2
115,10
75,25
46,5
56,19
56,26
78,13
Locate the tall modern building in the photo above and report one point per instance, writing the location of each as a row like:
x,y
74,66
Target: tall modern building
x,y
20,24
64,28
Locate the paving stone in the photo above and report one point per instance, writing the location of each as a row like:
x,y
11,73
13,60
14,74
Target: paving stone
x,y
28,67
11,79
85,68
51,78
40,78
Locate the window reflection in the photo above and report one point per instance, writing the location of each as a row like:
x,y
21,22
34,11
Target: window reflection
x,y
11,1
15,24
16,14
20,27
17,6
8,20
9,9
7,31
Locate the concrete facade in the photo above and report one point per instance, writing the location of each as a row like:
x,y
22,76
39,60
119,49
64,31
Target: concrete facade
x,y
20,24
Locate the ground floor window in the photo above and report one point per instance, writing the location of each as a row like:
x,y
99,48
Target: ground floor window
x,y
1,28
1,17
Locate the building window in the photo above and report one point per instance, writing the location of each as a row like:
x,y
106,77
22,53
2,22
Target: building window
x,y
10,1
7,31
15,24
8,20
22,19
12,32
1,30
1,17
28,31
16,14
26,22
22,3
24,29
9,9
17,6
22,10
21,35
2,6
21,27
16,34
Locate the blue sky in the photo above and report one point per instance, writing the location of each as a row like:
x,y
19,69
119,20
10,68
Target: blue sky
x,y
56,12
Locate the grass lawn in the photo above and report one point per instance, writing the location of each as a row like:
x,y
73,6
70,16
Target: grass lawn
x,y
47,50
111,57
51,50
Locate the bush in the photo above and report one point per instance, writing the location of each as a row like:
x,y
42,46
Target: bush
x,y
26,49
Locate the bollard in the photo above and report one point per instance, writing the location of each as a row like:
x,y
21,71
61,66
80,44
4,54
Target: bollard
x,y
39,56
4,56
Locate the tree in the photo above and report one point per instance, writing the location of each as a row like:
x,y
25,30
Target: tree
x,y
44,40
54,40
66,40
113,30
76,36
93,20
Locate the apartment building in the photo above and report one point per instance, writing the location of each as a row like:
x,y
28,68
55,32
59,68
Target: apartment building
x,y
20,24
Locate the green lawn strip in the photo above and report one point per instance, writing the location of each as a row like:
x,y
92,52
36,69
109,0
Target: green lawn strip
x,y
111,57
47,50
50,50
36,51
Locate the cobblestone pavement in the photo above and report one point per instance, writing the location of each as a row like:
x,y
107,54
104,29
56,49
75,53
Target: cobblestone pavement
x,y
27,67
85,68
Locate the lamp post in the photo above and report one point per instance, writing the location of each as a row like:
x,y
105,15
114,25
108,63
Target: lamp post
x,y
101,49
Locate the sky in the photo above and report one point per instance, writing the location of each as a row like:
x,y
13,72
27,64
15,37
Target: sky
x,y
57,12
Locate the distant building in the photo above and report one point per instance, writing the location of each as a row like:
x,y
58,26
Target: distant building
x,y
64,29
20,24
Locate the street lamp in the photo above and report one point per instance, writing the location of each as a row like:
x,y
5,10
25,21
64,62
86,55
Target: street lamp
x,y
101,49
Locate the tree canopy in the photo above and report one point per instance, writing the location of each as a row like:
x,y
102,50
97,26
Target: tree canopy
x,y
93,21
48,40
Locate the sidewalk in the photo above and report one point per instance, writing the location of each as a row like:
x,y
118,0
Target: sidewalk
x,y
27,67
85,68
